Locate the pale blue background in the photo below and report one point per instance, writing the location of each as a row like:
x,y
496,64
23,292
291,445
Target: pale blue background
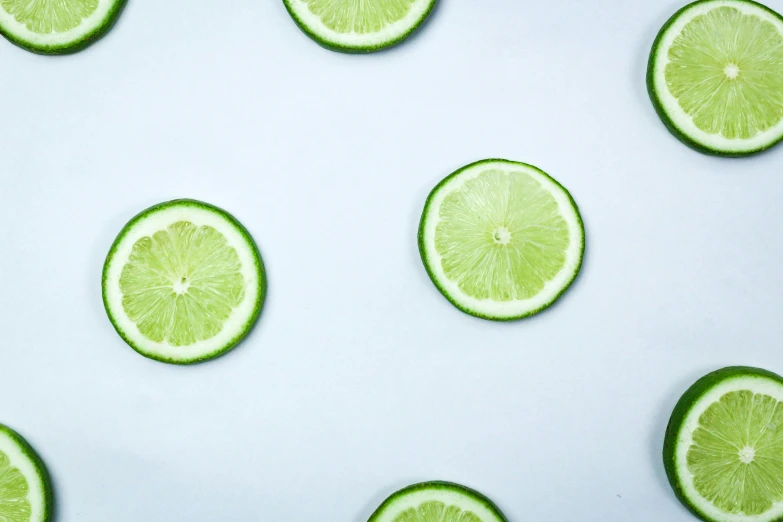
x,y
360,377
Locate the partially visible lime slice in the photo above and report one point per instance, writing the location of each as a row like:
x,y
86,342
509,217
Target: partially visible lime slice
x,y
57,26
501,240
358,25
437,502
25,488
715,76
183,282
723,450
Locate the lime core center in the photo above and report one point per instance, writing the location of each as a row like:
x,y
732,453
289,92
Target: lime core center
x,y
747,454
501,236
731,71
181,286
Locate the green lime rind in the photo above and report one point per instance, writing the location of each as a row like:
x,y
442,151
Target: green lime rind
x,y
74,46
42,474
246,328
428,263
438,485
333,45
673,430
670,124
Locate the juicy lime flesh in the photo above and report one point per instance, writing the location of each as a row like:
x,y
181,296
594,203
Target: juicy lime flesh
x,y
49,16
434,511
359,16
14,506
501,236
181,284
726,71
737,454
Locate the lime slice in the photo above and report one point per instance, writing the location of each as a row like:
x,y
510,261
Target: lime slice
x,y
25,488
57,26
358,26
501,240
437,502
183,282
723,451
715,76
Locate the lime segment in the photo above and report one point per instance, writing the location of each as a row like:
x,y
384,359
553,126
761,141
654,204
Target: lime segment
x,y
715,77
57,26
183,282
25,488
437,502
48,16
501,240
724,446
358,25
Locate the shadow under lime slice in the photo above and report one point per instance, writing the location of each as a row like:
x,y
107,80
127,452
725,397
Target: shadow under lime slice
x,y
358,25
25,488
723,450
183,282
437,502
57,26
715,76
501,240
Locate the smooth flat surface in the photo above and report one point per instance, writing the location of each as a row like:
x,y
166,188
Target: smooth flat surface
x,y
361,377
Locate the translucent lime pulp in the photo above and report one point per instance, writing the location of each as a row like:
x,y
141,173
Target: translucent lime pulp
x,y
737,454
359,16
181,284
434,511
14,506
726,71
49,16
501,236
